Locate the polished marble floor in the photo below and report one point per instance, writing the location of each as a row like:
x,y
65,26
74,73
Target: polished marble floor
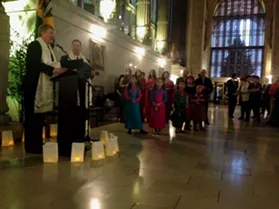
x,y
233,165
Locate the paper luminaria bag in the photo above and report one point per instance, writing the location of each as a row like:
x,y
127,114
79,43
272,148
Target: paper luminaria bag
x,y
115,143
77,155
50,152
98,151
7,138
53,130
110,151
104,136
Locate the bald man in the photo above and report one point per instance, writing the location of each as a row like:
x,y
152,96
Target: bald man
x,y
207,83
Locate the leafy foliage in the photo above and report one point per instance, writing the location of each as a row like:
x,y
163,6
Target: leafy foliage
x,y
17,68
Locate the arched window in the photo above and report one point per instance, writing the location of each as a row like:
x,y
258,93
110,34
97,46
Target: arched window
x,y
237,44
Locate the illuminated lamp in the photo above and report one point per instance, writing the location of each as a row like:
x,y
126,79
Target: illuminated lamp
x,y
50,152
7,138
98,151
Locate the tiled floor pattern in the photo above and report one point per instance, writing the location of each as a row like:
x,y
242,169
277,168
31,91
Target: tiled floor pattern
x,y
230,166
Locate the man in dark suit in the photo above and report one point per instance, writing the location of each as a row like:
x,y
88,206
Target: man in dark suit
x,y
232,86
255,93
184,77
85,75
38,95
207,83
266,97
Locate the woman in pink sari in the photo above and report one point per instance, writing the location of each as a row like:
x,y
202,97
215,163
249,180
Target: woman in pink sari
x,y
149,86
169,86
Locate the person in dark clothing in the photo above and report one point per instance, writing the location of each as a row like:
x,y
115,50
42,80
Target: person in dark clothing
x,y
83,96
207,83
274,117
255,90
183,78
124,81
266,97
118,95
37,87
191,91
232,86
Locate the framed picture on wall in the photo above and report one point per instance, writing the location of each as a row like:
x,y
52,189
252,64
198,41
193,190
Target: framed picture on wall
x,y
97,55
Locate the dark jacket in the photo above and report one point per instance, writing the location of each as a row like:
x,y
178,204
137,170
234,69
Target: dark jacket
x,y
34,67
181,79
266,95
255,97
207,83
232,87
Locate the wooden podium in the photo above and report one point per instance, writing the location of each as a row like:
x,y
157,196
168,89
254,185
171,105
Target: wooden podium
x,y
67,113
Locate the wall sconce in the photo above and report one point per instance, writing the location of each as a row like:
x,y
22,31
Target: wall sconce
x,y
106,8
130,65
141,32
160,45
161,62
98,32
140,52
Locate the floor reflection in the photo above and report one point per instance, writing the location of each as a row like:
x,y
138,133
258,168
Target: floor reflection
x,y
231,163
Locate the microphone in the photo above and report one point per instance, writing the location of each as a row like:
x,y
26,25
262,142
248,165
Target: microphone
x,y
61,48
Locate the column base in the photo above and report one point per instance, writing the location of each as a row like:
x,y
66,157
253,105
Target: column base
x,y
4,119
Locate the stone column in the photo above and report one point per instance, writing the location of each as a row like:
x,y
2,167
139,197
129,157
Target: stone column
x,y
275,43
162,26
143,20
194,33
4,63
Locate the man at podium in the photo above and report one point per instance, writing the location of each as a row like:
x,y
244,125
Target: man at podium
x,y
84,91
38,88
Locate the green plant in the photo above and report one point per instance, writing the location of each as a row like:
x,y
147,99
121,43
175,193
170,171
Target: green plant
x,y
17,65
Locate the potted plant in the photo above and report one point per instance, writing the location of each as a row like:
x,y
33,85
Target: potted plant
x,y
17,67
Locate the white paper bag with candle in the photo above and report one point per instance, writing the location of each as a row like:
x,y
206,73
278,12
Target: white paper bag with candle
x,y
50,152
98,152
44,134
53,130
104,137
7,138
77,155
115,143
110,147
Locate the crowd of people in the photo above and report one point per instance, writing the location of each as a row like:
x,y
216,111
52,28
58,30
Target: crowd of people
x,y
157,100
254,96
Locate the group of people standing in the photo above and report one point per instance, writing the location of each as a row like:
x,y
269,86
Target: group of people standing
x,y
253,96
158,100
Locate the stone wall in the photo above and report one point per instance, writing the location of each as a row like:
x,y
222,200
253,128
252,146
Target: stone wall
x,y
72,22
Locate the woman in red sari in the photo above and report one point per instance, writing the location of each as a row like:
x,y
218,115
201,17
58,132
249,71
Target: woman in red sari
x,y
151,80
158,98
169,86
